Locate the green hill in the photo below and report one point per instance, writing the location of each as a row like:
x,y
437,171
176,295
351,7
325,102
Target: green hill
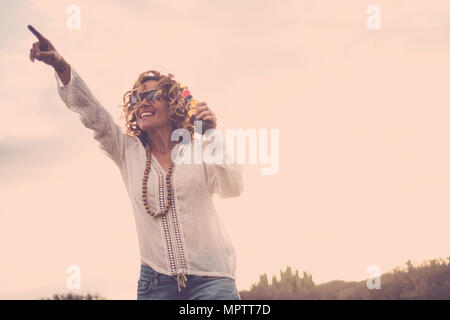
x,y
429,280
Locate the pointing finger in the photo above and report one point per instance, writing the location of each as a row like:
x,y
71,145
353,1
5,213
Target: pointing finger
x,y
36,33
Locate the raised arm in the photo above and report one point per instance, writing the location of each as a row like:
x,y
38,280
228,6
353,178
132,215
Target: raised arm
x,y
223,173
76,95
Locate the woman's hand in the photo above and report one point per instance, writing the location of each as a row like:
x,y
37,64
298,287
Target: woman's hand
x,y
44,51
203,112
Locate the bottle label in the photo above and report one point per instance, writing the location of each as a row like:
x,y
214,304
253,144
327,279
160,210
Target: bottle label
x,y
192,105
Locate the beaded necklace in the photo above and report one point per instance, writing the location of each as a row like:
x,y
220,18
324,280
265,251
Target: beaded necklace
x,y
181,277
169,201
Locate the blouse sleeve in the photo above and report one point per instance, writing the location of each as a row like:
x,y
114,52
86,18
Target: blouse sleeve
x,y
77,97
224,176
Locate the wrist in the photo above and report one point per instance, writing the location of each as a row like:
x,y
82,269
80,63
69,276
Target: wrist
x,y
60,65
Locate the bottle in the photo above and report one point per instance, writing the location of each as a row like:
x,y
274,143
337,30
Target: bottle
x,y
191,107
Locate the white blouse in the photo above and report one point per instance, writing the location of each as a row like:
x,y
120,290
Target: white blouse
x,y
190,238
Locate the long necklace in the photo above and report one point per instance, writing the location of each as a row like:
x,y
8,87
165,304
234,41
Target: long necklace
x,y
181,277
170,198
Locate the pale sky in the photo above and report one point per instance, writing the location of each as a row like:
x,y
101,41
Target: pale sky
x,y
363,115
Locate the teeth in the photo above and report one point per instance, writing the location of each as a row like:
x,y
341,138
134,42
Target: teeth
x,y
146,114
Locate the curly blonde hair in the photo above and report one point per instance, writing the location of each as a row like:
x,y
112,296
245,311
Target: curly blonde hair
x,y
171,91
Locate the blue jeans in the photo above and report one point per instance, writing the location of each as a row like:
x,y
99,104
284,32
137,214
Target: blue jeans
x,y
153,285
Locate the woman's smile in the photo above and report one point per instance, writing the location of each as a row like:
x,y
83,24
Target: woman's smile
x,y
147,114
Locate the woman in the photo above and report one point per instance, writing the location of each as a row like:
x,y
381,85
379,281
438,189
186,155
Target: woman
x,y
185,251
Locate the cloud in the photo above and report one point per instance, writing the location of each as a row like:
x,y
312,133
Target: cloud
x,y
20,151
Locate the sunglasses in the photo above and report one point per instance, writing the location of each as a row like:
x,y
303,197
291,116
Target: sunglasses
x,y
149,95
